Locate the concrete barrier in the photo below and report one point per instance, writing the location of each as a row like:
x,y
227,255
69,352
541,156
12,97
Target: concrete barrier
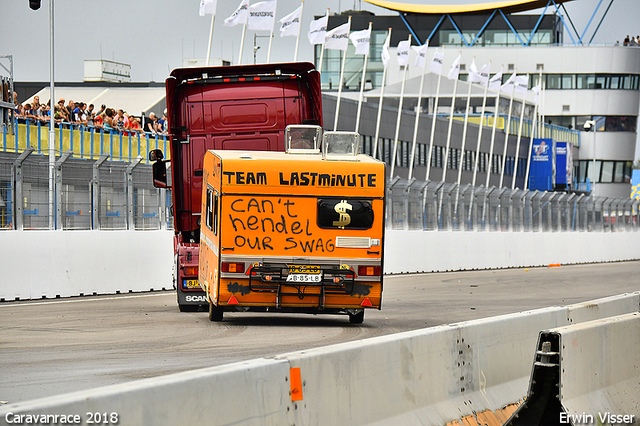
x,y
49,264
586,373
424,377
37,264
458,251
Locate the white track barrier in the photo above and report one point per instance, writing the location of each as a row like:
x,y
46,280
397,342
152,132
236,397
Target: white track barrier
x,y
50,264
587,373
424,377
37,264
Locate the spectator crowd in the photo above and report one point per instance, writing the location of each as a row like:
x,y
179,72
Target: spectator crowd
x,y
107,119
631,41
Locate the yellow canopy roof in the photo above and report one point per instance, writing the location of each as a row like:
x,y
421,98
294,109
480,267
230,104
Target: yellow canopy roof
x,y
507,6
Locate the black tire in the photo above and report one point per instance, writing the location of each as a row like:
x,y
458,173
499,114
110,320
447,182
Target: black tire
x,y
357,318
215,312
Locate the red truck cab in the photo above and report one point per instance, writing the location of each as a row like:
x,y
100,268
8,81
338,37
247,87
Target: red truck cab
x,y
240,108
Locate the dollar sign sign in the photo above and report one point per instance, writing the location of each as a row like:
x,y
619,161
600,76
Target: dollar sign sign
x,y
341,208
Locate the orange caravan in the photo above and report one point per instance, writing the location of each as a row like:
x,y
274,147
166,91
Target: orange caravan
x,y
294,231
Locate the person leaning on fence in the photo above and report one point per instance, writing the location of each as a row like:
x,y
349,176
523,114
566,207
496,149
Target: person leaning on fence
x,y
151,123
108,125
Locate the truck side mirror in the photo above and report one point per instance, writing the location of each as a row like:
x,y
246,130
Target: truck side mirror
x,y
159,168
156,155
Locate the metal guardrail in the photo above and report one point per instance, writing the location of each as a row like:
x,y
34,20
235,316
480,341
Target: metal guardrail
x,y
437,206
89,197
88,194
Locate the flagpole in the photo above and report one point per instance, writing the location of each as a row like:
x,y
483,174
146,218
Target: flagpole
x,y
462,147
270,42
446,153
213,17
295,55
506,138
479,141
484,105
415,126
464,132
384,80
244,32
524,104
344,61
362,83
322,49
395,139
433,123
533,129
493,133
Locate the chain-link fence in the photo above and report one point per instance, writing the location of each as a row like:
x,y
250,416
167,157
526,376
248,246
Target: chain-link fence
x,y
445,206
85,194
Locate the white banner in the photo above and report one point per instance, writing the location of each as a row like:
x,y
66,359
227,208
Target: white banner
x,y
454,71
262,16
403,53
239,16
521,84
318,30
509,85
338,38
290,24
481,76
385,55
536,89
361,41
436,63
421,52
208,7
495,82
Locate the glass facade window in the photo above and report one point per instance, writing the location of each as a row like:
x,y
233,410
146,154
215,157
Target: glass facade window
x,y
604,171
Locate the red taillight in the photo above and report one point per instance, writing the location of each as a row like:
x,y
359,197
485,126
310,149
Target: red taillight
x,y
237,267
191,270
370,271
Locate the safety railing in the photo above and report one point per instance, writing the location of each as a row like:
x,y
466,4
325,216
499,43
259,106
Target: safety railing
x,y
437,206
83,194
84,141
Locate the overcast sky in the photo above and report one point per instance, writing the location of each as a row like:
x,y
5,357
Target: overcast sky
x,y
155,36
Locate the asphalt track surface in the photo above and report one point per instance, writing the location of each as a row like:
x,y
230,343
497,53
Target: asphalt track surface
x,y
50,347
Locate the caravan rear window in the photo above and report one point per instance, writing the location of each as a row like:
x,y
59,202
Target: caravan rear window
x,y
345,213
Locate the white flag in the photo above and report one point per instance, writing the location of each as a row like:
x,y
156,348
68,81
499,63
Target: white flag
x,y
509,85
454,71
262,16
521,84
385,55
338,38
290,24
495,82
536,89
476,76
239,16
361,41
403,53
318,30
208,7
421,58
436,63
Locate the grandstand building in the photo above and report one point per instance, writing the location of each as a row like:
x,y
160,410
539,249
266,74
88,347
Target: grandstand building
x,y
584,83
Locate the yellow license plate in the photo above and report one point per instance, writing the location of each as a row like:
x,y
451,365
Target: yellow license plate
x,y
304,269
191,284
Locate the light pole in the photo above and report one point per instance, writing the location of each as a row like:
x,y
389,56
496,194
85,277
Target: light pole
x,y
589,126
